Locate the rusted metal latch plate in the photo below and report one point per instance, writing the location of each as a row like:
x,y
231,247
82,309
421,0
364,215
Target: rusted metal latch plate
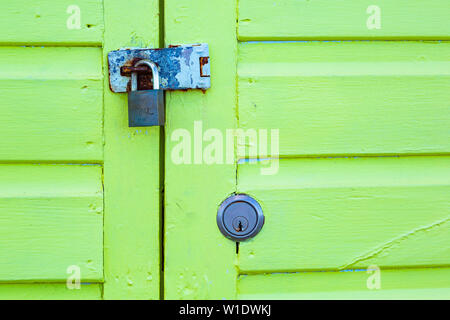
x,y
180,67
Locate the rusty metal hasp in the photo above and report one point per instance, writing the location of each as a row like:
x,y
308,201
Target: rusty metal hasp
x,y
180,67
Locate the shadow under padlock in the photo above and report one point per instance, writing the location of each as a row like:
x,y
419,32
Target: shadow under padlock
x,y
145,107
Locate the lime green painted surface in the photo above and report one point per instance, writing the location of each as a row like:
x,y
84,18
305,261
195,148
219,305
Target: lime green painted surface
x,y
131,168
51,217
343,19
52,104
44,22
50,291
426,283
334,214
198,261
393,96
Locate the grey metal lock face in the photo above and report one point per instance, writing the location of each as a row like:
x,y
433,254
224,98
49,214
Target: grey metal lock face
x,y
146,107
240,217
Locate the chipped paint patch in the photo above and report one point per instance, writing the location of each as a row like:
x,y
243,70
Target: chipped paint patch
x,y
180,67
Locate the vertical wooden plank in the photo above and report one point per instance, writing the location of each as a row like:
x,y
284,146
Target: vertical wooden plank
x,y
198,260
131,177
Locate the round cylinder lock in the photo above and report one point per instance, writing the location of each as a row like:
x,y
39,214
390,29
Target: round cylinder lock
x,y
240,217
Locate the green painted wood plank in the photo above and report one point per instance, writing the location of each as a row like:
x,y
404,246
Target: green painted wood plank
x,y
52,105
343,19
335,98
199,261
340,213
27,23
426,283
51,217
49,291
132,191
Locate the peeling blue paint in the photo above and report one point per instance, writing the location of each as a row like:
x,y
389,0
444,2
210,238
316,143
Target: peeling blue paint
x,y
179,67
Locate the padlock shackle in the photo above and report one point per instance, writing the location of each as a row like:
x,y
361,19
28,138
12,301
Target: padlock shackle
x,y
155,74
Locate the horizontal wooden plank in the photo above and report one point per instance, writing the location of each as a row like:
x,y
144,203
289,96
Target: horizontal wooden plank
x,y
52,104
51,22
51,217
426,283
353,97
49,291
340,213
342,19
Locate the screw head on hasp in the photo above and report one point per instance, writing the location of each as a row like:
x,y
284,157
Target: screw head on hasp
x,y
240,217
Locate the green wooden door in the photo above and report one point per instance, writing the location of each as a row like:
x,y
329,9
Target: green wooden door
x,y
347,103
79,190
354,179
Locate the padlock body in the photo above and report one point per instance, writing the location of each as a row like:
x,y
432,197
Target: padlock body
x,y
146,108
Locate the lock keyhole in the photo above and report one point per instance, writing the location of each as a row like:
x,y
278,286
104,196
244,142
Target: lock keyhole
x,y
240,224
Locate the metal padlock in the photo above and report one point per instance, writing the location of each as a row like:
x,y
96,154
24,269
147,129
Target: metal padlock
x,y
145,107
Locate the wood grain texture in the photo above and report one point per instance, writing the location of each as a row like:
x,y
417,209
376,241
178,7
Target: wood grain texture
x,y
49,291
52,104
199,261
341,213
342,19
426,283
51,217
355,97
131,177
44,22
